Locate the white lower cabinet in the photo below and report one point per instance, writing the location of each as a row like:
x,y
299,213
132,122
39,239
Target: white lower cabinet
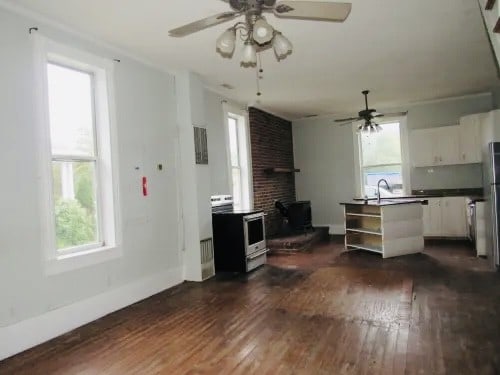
x,y
445,217
432,217
454,217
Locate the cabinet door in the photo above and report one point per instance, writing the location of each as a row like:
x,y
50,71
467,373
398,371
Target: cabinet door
x,y
446,145
432,217
421,149
454,217
470,139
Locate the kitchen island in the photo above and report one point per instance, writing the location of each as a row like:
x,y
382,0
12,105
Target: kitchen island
x,y
389,227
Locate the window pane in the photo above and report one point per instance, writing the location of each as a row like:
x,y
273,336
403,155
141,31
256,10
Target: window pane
x,y
75,203
382,148
70,111
233,142
392,174
236,175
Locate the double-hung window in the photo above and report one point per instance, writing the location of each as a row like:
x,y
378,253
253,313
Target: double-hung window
x,y
381,156
239,160
74,157
79,192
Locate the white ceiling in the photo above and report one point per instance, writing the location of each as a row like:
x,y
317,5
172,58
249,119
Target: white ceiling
x,y
404,51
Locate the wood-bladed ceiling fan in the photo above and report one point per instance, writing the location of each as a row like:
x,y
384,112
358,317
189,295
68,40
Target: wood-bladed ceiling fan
x,y
368,115
253,9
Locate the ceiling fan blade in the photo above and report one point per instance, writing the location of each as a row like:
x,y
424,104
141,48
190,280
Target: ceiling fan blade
x,y
204,23
313,10
351,119
395,114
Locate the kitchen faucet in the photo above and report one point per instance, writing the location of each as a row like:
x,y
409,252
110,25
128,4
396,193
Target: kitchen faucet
x,y
378,188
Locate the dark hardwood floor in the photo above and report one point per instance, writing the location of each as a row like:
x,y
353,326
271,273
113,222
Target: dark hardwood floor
x,y
323,312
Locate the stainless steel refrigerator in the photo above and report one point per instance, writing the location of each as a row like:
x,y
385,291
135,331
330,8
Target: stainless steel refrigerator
x,y
492,195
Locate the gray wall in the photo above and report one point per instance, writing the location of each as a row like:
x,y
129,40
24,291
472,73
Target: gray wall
x,y
324,153
146,118
496,97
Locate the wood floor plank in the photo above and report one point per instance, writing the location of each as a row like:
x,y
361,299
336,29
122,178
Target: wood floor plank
x,y
320,312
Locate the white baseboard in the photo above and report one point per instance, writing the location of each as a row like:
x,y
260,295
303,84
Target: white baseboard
x,y
34,331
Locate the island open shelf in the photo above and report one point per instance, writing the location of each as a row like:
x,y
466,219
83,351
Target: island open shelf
x,y
390,230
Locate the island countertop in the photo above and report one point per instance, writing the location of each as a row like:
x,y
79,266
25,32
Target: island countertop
x,y
385,202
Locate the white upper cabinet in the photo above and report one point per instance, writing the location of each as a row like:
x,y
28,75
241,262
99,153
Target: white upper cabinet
x,y
448,145
422,148
470,139
435,146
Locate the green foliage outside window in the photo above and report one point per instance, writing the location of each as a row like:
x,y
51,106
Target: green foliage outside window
x,y
74,225
75,219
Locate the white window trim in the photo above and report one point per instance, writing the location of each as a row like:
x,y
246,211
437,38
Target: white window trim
x,y
247,175
55,262
405,154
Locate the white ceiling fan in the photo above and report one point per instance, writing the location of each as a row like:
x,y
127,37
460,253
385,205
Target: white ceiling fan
x,y
258,35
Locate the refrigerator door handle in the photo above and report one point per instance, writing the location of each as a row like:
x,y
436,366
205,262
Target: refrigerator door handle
x,y
495,221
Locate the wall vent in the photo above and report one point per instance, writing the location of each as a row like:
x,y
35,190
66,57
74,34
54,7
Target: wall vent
x,y
207,258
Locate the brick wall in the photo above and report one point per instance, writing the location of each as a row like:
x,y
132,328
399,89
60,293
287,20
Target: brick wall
x,y
272,147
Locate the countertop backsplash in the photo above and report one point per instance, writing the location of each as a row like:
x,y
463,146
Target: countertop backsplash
x,y
447,177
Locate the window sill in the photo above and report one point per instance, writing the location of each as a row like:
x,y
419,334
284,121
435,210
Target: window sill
x,y
70,262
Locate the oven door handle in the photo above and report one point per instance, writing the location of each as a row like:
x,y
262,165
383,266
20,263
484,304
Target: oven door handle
x,y
256,255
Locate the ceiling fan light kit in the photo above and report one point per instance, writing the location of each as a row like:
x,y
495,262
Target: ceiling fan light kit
x,y
226,43
256,33
282,46
369,128
249,55
262,32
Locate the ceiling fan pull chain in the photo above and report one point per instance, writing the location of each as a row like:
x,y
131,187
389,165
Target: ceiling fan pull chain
x,y
259,70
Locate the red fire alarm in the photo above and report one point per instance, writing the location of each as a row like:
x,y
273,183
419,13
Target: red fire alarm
x,y
145,186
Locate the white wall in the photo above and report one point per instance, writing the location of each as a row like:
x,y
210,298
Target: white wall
x,y
324,152
217,155
146,119
490,20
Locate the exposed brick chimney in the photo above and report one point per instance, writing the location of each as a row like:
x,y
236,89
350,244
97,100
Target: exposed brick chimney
x,y
272,147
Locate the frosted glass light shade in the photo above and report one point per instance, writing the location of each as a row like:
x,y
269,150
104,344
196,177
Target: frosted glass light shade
x,y
282,46
226,42
249,55
262,31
